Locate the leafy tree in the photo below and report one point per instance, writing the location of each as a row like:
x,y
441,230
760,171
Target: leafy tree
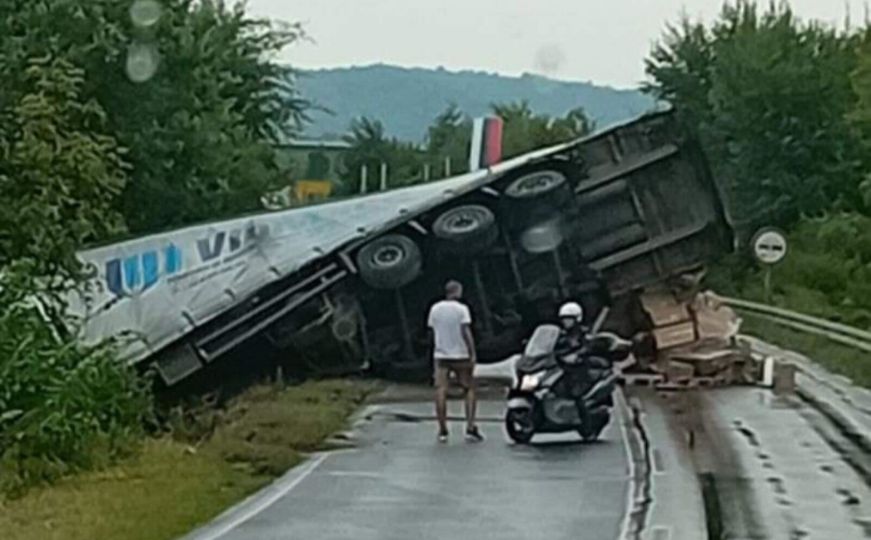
x,y
449,137
370,147
85,147
769,96
59,176
525,130
199,131
63,406
860,117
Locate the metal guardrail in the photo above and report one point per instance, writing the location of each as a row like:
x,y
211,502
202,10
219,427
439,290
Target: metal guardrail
x,y
840,333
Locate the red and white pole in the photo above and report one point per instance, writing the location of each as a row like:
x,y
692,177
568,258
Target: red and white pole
x,y
486,147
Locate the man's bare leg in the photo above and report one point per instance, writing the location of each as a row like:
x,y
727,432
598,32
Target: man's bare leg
x,y
467,379
441,399
471,406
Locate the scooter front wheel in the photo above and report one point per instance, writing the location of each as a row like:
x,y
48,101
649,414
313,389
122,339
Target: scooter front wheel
x,y
519,425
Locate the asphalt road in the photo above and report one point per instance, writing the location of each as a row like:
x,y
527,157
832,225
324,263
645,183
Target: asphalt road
x,y
399,483
780,468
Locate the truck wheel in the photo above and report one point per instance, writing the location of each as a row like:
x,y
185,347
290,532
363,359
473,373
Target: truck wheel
x,y
345,328
519,425
389,262
543,237
543,188
466,229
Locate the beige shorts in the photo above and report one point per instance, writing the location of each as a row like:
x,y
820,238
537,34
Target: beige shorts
x,y
462,369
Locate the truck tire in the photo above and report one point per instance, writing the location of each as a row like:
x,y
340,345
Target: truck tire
x,y
345,328
466,229
548,188
389,262
543,237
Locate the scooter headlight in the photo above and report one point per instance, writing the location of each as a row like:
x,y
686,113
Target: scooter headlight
x,y
530,382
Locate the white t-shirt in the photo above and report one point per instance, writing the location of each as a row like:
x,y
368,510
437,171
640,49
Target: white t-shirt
x,y
446,318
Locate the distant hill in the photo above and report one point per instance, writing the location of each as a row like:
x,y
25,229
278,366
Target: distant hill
x,y
407,100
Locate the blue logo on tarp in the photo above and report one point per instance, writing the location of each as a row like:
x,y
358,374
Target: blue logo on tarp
x,y
140,272
230,242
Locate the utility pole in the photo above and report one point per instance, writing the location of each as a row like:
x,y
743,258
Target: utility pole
x,y
447,166
383,176
426,172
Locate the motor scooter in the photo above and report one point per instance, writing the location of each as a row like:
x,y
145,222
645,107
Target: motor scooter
x,y
557,391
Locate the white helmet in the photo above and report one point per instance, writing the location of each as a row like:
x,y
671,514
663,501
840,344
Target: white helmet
x,y
571,310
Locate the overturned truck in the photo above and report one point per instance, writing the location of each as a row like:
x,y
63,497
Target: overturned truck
x,y
346,285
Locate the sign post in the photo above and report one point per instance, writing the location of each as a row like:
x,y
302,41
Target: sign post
x,y
769,248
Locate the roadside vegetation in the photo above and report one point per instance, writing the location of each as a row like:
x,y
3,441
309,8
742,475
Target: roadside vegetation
x,y
213,458
446,149
827,274
116,118
783,109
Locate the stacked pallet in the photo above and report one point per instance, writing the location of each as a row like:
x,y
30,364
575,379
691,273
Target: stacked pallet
x,y
696,342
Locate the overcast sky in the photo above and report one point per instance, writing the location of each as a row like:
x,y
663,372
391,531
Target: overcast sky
x,y
604,41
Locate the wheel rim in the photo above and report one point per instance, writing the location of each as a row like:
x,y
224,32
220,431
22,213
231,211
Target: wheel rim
x,y
388,256
345,329
535,184
520,424
462,221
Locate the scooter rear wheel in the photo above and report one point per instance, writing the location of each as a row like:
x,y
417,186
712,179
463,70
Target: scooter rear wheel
x,y
519,425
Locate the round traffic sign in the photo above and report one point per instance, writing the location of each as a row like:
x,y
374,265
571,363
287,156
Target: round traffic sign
x,y
769,246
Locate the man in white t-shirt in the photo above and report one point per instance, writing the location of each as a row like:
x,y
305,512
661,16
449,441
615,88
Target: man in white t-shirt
x,y
453,351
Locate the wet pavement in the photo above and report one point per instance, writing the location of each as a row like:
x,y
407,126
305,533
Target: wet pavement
x,y
718,463
772,467
399,483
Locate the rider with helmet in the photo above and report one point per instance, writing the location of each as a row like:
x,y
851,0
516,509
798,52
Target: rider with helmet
x,y
577,340
577,349
574,333
570,348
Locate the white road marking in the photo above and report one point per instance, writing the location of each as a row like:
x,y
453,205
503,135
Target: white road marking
x,y
265,502
358,474
622,407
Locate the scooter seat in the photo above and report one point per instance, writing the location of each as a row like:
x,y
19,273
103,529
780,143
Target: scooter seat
x,y
533,364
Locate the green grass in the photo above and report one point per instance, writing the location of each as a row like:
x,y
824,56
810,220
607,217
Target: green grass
x,y
840,359
159,495
267,429
173,486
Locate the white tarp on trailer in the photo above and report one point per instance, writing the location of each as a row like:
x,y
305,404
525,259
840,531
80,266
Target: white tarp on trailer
x,y
160,287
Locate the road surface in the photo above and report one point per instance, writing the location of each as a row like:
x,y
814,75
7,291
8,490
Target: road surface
x,y
400,484
716,463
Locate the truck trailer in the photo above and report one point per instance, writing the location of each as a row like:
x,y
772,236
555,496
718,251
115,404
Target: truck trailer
x,y
345,285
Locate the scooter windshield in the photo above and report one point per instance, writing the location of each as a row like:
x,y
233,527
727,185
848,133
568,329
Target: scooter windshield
x,y
543,341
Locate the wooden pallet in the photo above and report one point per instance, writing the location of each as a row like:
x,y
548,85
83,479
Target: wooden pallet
x,y
689,384
641,379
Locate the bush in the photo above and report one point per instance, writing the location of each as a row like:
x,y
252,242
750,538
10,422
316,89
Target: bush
x,y
827,272
63,407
